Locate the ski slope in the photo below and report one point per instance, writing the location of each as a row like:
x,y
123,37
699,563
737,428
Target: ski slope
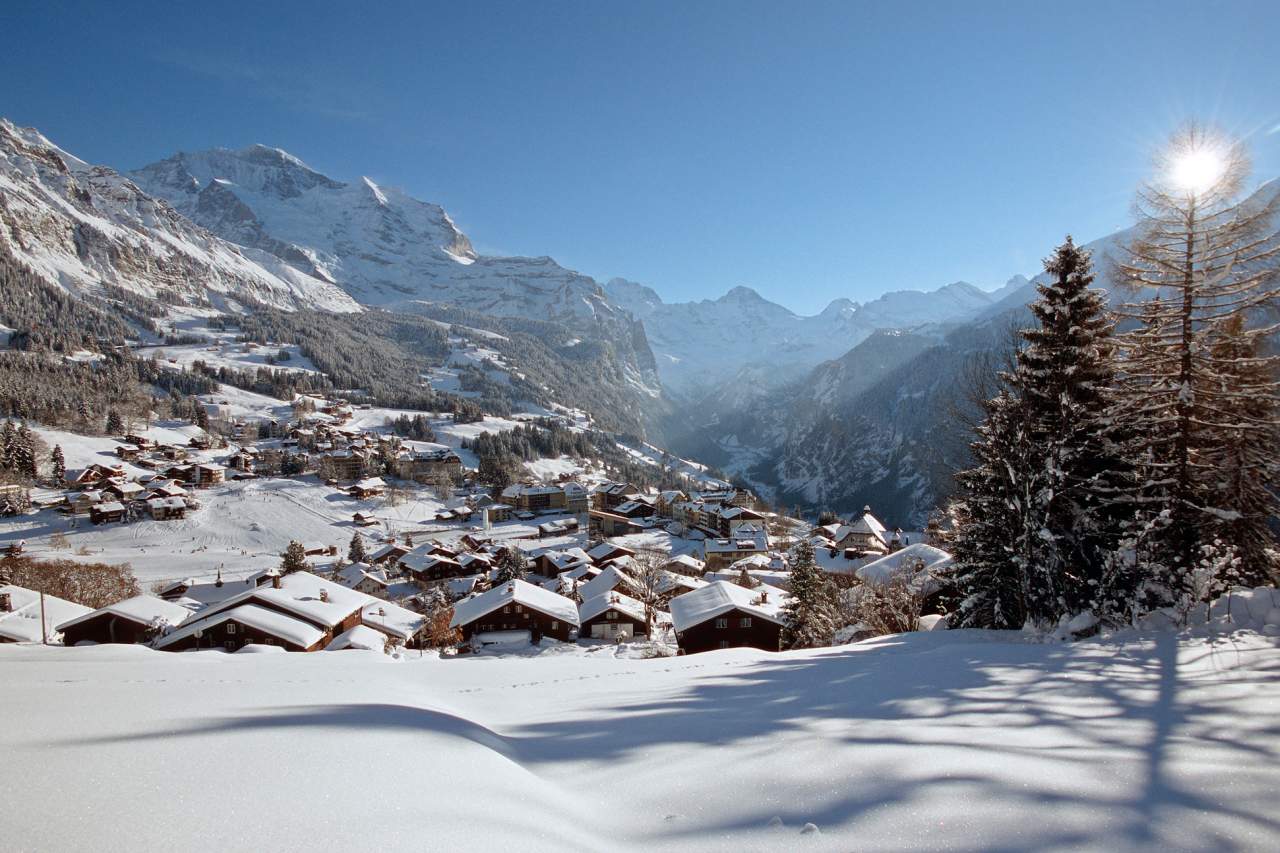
x,y
942,740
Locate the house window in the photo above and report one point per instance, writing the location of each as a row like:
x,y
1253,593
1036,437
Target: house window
x,y
722,623
744,622
555,624
724,644
612,615
231,645
507,609
231,627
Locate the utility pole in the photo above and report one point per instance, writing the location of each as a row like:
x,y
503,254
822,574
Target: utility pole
x,y
44,634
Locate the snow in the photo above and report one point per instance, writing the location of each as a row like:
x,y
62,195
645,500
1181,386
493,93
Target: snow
x,y
883,569
944,740
359,637
594,606
21,624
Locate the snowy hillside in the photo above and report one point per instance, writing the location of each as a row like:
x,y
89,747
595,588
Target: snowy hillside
x,y
83,227
700,346
379,244
940,740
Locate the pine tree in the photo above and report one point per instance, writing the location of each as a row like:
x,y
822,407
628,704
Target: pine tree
x,y
356,552
115,426
59,464
1062,377
511,565
24,454
989,571
294,558
8,448
201,413
810,611
1200,258
1246,469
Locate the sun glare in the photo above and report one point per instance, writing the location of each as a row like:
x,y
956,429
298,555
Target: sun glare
x,y
1197,170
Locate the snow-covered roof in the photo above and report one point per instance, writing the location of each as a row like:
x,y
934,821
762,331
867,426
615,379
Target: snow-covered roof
x,y
715,599
609,578
271,622
392,619
883,569
110,506
625,604
143,609
300,594
22,623
515,592
369,483
359,637
604,549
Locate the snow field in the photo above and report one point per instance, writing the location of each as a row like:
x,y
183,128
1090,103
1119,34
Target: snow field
x,y
953,740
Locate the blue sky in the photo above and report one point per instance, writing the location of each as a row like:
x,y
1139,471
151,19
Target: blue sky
x,y
809,150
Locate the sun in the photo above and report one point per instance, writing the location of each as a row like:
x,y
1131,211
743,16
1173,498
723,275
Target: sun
x,y
1198,169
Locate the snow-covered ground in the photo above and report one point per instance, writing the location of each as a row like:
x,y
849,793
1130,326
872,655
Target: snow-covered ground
x,y
941,740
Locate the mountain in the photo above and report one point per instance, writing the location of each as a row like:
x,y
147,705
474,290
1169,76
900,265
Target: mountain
x,y
702,346
379,244
883,424
89,229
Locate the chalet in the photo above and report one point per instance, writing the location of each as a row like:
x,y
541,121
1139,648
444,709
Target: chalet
x,y
20,611
429,462
201,442
106,512
610,579
862,536
637,508
551,563
719,553
498,512
478,563
606,551
611,616
209,474
610,524
299,611
535,499
139,441
84,501
559,527
134,620
667,500
173,452
576,498
164,509
319,549
401,624
123,491
389,554
363,577
609,495
128,452
245,624
361,519
724,615
428,568
517,606
370,487
726,520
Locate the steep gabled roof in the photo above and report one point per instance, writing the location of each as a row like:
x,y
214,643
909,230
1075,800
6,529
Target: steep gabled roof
x,y
515,592
720,597
143,609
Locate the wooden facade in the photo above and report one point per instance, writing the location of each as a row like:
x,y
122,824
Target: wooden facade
x,y
730,630
520,617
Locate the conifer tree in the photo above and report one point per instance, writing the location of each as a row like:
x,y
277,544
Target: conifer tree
x,y
1243,459
294,558
989,572
356,552
115,426
23,454
59,463
1062,378
8,448
1200,258
810,611
511,565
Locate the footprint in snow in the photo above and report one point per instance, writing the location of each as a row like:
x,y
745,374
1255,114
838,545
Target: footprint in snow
x,y
810,829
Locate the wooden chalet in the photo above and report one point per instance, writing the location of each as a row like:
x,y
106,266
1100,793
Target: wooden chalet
x,y
517,606
107,512
134,620
611,616
723,615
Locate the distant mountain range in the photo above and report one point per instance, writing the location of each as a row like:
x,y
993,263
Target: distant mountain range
x,y
848,406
